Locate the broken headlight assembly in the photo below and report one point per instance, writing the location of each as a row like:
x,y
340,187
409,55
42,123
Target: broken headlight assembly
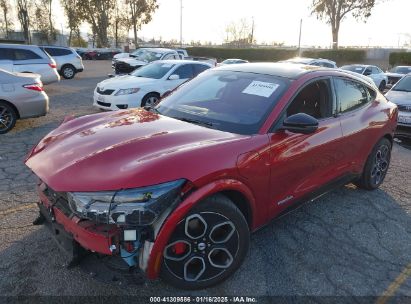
x,y
136,207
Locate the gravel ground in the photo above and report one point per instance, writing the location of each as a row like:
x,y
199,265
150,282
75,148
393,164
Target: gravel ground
x,y
349,242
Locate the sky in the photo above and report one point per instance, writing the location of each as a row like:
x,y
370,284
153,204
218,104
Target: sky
x,y
277,21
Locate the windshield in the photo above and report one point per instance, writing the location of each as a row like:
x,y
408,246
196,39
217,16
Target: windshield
x,y
401,70
155,70
403,85
229,101
145,55
354,68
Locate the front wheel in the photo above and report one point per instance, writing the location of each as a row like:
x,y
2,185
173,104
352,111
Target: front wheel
x,y
207,246
382,86
150,100
376,166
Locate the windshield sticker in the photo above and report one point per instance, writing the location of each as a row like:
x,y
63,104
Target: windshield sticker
x,y
358,69
158,55
166,65
259,88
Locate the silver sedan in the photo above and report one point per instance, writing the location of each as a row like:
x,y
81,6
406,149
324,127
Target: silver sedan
x,y
21,96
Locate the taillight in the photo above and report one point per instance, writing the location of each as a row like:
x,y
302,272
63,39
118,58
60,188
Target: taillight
x,y
35,87
52,65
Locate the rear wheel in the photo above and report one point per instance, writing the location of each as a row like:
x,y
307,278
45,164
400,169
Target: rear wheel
x,y
376,166
207,246
68,71
8,117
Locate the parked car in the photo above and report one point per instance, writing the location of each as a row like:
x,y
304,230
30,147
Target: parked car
x,y
233,61
28,59
177,190
119,56
400,94
312,61
21,96
396,73
145,86
371,71
68,62
141,57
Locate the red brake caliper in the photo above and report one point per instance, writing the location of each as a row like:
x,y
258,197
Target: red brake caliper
x,y
179,248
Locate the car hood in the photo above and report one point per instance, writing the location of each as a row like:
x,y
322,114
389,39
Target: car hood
x,y
132,61
399,97
390,74
125,82
124,149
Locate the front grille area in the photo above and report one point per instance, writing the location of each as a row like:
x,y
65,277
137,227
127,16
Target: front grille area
x,y
104,104
104,92
404,108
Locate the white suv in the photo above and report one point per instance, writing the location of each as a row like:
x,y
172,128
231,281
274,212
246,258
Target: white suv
x,y
69,63
28,59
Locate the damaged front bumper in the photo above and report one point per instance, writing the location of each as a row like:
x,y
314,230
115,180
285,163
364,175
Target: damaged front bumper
x,y
78,236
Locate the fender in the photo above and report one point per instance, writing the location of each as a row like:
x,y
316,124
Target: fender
x,y
178,214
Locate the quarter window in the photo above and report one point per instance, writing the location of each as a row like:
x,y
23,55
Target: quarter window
x,y
199,68
351,95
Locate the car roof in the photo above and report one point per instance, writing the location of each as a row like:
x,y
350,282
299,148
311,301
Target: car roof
x,y
159,50
18,46
178,61
55,46
281,69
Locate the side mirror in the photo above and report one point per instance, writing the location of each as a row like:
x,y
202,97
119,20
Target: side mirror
x,y
174,77
300,123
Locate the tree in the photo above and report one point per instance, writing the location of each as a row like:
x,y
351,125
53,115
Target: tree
x,y
98,14
43,22
120,22
141,12
24,17
240,33
334,11
6,21
73,18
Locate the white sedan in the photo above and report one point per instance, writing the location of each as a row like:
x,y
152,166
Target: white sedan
x,y
145,86
371,71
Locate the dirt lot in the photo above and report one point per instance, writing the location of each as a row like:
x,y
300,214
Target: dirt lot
x,y
349,242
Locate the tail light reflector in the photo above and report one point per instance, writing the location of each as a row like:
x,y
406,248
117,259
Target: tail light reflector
x,y
52,65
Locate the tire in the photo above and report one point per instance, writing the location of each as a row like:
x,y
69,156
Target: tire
x,y
382,86
207,246
68,71
376,167
150,99
8,117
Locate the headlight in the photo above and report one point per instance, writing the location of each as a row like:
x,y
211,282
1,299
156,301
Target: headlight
x,y
140,206
127,91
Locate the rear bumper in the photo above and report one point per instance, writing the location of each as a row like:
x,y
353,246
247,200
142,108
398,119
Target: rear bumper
x,y
35,106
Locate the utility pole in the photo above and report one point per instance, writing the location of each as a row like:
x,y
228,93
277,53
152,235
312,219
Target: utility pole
x,y
252,33
299,38
181,23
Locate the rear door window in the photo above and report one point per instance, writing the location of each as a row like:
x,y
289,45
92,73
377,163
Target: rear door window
x,y
6,54
55,52
21,54
185,71
351,95
199,68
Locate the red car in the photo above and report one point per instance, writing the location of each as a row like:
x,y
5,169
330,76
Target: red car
x,y
176,190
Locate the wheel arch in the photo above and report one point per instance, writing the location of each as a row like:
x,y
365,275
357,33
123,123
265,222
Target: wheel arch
x,y
238,192
65,65
390,138
13,106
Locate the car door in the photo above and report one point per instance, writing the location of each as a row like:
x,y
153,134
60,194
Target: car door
x,y
27,61
302,164
184,73
357,109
